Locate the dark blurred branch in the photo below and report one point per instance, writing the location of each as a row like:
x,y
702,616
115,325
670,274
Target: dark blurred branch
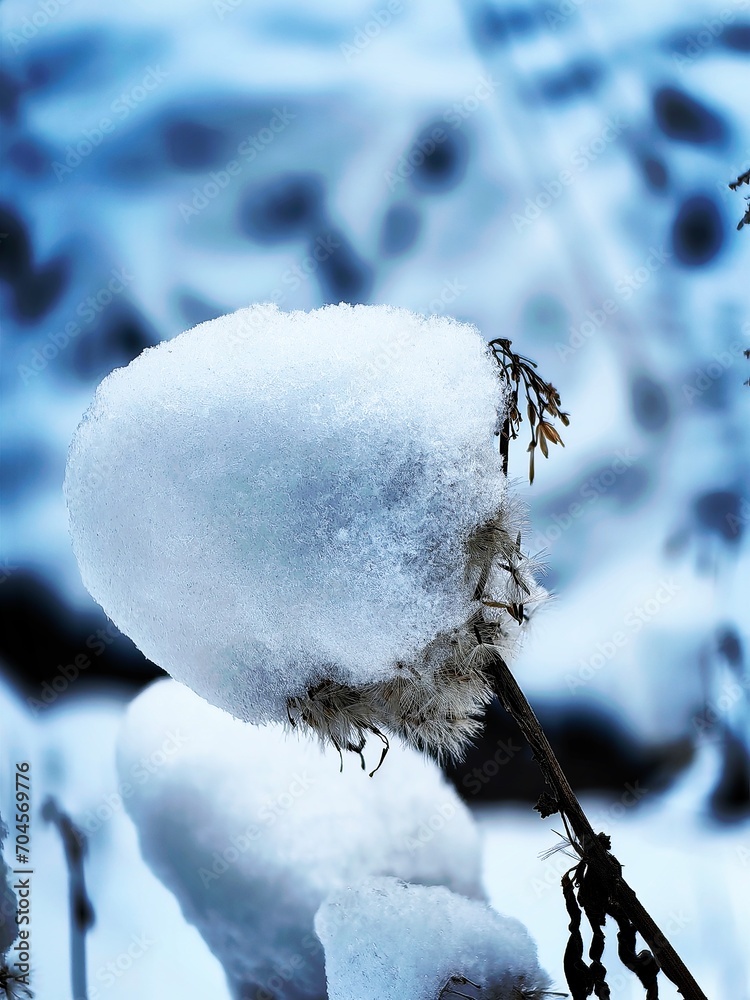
x,y
81,910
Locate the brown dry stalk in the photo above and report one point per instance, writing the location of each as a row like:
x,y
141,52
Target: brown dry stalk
x,y
613,894
542,400
601,861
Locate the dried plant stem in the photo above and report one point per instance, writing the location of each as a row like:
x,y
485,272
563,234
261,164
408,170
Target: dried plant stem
x,y
601,862
602,891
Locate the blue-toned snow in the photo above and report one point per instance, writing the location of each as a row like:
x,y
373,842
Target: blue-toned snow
x,y
557,178
554,174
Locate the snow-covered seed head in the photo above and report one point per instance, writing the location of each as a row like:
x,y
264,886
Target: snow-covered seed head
x,y
436,703
304,518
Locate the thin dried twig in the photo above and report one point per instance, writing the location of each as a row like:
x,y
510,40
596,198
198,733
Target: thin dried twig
x,y
742,179
602,890
603,870
542,402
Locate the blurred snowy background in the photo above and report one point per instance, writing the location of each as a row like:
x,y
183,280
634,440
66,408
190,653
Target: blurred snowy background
x,y
556,174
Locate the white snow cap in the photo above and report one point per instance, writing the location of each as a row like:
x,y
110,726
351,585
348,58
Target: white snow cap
x,y
281,508
252,828
385,940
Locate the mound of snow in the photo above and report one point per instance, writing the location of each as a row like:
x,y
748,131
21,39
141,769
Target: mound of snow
x,y
386,940
252,828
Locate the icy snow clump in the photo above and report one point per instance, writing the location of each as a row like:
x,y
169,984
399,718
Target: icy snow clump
x,y
296,514
385,940
252,828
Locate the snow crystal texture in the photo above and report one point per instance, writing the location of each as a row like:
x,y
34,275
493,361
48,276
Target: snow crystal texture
x,y
271,499
385,940
252,828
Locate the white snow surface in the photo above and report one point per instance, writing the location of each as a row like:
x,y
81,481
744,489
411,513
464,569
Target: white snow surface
x,y
275,498
386,940
252,828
